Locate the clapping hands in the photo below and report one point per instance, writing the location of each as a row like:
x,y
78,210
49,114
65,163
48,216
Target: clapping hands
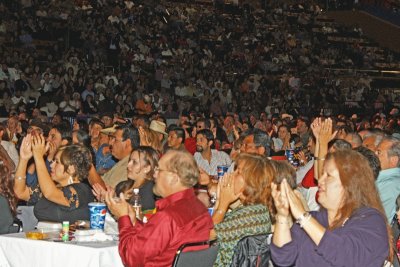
x,y
226,191
25,151
286,201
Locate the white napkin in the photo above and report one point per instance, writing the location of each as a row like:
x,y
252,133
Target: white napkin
x,y
110,226
91,236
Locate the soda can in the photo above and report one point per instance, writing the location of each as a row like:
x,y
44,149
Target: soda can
x,y
211,211
221,170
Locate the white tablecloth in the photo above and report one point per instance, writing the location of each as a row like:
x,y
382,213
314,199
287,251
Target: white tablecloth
x,y
17,251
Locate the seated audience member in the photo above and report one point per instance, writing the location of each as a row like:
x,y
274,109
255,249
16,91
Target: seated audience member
x,y
180,217
354,139
150,138
95,127
158,127
59,196
123,141
351,228
338,144
372,158
206,157
8,200
103,156
247,192
282,142
142,163
8,146
387,183
372,138
256,141
59,135
176,138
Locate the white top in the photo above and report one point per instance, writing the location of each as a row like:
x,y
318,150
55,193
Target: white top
x,y
217,158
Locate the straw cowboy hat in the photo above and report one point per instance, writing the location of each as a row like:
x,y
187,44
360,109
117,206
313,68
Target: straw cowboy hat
x,y
158,126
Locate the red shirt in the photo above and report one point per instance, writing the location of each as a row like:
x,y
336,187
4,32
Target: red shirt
x,y
180,218
190,145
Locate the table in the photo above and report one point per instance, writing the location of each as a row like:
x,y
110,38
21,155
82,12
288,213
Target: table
x,y
16,251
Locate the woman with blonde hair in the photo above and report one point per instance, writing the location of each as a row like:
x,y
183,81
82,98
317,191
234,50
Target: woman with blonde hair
x,y
150,138
247,193
351,228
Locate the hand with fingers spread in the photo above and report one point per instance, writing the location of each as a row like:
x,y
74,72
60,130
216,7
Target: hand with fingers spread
x,y
326,134
226,190
100,192
118,207
25,151
316,127
39,146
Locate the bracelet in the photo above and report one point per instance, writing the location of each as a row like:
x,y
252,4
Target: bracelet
x,y
305,217
18,178
316,158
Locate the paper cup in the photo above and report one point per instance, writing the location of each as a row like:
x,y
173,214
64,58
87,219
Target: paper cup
x,y
98,213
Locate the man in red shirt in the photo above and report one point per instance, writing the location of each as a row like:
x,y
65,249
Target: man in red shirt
x,y
180,216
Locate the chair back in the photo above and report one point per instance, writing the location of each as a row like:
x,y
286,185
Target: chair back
x,y
253,251
199,258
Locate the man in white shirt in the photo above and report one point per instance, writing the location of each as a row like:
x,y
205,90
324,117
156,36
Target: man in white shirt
x,y
208,159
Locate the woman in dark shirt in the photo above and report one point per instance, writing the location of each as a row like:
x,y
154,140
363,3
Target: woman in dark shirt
x,y
351,228
141,165
60,196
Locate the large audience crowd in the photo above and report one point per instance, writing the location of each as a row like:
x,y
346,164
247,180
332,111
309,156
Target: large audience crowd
x,y
103,97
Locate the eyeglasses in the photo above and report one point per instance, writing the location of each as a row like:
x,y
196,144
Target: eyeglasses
x,y
113,138
249,145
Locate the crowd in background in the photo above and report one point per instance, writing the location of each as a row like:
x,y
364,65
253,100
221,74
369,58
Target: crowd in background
x,y
156,96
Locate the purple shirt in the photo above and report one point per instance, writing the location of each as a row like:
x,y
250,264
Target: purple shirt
x,y
362,241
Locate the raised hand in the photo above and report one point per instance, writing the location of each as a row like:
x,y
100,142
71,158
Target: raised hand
x,y
51,149
295,204
25,151
326,134
302,158
100,192
117,206
316,127
280,200
226,191
39,146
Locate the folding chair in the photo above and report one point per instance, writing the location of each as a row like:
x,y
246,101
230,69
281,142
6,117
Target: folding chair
x,y
199,258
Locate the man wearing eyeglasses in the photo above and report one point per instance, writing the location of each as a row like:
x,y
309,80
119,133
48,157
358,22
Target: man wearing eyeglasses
x,y
181,218
388,181
123,140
